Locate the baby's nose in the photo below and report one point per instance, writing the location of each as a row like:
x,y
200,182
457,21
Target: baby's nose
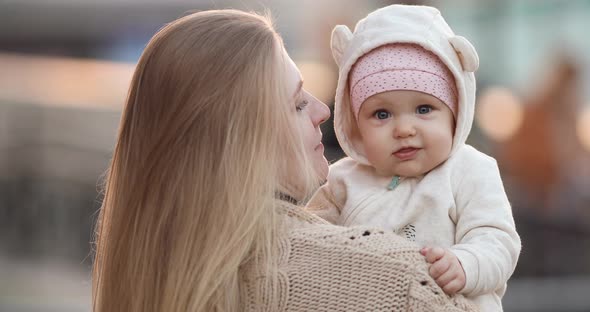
x,y
404,128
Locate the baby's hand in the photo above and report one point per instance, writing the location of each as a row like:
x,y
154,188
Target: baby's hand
x,y
445,269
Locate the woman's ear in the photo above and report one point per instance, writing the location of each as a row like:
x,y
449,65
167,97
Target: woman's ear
x,y
341,36
466,52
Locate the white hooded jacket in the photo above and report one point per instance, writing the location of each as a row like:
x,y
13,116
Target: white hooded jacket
x,y
460,204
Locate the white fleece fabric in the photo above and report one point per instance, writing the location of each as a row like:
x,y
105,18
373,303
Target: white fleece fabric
x,y
461,204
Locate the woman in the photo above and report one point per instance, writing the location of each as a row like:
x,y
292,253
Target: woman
x,y
218,142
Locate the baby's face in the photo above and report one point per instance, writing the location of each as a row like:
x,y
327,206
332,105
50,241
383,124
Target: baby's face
x,y
405,133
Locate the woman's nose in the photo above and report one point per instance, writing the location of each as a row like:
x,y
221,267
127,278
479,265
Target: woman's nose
x,y
320,112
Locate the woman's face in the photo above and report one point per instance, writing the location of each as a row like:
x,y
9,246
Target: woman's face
x,y
311,112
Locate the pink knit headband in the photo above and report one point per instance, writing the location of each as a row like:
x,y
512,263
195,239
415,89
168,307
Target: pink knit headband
x,y
401,66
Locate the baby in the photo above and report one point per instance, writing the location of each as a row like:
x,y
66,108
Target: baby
x,y
404,108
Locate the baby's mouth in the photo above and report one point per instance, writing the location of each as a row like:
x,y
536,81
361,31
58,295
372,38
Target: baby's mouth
x,y
406,153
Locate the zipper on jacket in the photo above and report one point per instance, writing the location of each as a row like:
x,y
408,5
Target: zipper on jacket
x,y
394,183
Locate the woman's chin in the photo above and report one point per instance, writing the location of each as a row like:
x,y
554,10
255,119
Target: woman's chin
x,y
322,168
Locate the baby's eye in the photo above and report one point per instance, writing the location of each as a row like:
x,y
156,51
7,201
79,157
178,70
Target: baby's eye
x,y
423,109
382,114
301,105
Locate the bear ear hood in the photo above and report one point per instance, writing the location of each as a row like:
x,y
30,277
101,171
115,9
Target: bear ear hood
x,y
420,25
341,37
466,53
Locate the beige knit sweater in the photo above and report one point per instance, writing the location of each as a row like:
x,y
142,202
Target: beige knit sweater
x,y
323,267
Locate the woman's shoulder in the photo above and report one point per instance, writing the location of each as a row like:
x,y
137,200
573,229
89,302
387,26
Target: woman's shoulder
x,y
308,229
371,268
359,239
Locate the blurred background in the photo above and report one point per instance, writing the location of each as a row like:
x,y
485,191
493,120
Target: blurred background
x,y
65,66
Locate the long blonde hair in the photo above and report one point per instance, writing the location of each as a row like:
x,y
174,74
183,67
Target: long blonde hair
x,y
202,146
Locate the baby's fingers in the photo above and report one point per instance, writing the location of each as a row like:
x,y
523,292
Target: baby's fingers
x,y
438,268
432,254
453,287
446,278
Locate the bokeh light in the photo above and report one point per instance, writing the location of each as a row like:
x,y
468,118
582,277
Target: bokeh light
x,y
499,113
320,80
61,81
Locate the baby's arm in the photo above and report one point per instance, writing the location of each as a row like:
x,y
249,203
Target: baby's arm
x,y
487,245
